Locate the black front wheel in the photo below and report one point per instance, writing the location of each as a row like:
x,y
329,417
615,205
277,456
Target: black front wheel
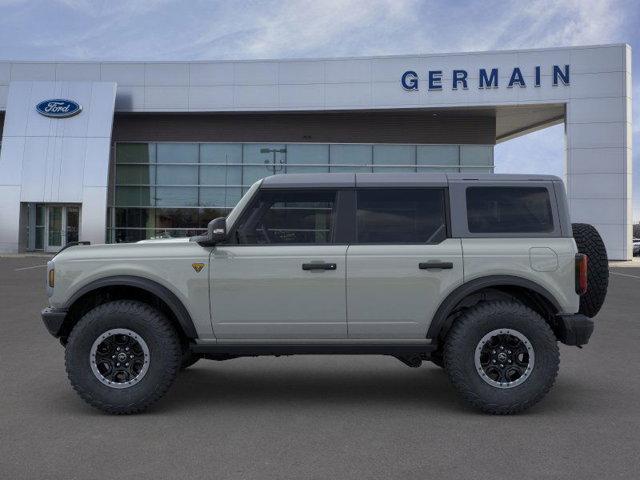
x,y
122,356
502,357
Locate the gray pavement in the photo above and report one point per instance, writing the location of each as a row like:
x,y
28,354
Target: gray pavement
x,y
316,417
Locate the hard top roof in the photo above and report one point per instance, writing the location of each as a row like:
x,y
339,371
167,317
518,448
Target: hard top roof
x,y
345,180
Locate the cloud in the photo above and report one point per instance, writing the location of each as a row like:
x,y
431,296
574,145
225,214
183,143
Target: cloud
x,y
250,29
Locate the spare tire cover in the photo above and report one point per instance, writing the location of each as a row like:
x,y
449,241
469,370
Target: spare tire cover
x,y
590,243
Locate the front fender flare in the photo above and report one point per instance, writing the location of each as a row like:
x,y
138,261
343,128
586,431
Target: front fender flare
x,y
160,291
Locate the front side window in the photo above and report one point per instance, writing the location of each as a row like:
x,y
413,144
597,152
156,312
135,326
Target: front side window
x,y
509,210
401,216
289,217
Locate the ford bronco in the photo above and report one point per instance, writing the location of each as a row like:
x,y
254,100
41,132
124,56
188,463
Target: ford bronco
x,y
482,275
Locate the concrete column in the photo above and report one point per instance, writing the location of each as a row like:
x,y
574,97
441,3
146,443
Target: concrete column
x,y
599,161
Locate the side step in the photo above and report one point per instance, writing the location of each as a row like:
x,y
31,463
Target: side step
x,y
259,349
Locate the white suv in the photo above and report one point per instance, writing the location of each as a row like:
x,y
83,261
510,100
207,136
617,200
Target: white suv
x,y
479,274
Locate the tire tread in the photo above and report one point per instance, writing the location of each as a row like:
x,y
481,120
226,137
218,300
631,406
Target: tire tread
x,y
457,337
164,330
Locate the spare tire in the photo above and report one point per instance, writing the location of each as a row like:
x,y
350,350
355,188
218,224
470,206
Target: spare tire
x,y
590,243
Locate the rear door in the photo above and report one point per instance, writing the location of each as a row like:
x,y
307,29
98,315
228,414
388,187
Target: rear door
x,y
402,262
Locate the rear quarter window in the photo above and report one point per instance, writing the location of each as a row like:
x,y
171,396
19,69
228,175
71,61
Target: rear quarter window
x,y
509,210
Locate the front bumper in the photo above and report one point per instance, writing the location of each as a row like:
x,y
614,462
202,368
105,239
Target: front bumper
x,y
53,319
574,329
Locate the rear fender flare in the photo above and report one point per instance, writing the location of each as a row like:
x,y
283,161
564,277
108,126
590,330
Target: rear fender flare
x,y
439,321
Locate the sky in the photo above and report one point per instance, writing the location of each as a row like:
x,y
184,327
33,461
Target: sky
x,y
252,29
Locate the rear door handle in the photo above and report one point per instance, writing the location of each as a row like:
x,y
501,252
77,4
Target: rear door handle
x,y
319,266
435,265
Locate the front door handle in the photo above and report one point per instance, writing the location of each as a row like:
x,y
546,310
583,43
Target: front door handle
x,y
319,266
435,265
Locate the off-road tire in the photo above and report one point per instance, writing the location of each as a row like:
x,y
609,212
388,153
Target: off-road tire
x,y
164,352
437,359
188,358
590,243
464,337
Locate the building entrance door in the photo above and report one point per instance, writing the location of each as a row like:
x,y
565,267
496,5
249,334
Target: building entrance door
x,y
53,226
54,231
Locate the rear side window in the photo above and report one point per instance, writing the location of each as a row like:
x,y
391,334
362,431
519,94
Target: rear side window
x,y
509,210
401,216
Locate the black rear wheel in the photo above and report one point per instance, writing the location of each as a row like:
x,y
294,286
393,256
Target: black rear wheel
x,y
501,356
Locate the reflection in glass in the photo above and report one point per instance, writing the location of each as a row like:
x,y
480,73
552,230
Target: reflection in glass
x,y
351,158
175,177
404,156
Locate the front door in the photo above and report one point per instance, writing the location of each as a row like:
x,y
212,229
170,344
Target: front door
x,y
283,275
401,264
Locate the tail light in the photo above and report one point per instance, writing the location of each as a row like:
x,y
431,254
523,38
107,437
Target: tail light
x,y
581,273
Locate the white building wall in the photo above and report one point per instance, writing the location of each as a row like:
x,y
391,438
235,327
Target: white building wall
x,y
56,160
598,103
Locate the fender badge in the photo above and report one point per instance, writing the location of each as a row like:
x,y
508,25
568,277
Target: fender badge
x,y
197,266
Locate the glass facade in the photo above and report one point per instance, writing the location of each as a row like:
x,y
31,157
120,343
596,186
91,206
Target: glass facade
x,y
175,189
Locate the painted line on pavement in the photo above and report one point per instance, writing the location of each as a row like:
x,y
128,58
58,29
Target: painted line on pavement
x,y
40,266
625,275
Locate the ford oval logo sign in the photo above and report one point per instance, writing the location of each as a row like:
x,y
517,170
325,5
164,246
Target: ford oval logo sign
x,y
58,108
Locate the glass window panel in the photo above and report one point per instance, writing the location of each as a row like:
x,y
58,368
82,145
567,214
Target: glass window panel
x,y
509,210
404,156
205,215
135,153
213,196
55,226
353,158
40,215
305,158
177,175
176,233
125,235
177,152
233,196
177,196
259,164
401,216
73,224
39,238
176,217
135,174
134,218
134,196
219,196
438,155
476,155
289,217
222,175
223,153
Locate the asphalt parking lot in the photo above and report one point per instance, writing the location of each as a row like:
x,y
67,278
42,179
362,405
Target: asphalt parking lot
x,y
316,417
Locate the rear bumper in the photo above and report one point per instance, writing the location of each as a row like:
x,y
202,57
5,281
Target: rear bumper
x,y
53,319
574,329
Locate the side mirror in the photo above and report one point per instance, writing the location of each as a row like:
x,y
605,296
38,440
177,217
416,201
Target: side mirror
x,y
217,230
216,233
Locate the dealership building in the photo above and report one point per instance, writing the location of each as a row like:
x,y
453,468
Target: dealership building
x,y
124,151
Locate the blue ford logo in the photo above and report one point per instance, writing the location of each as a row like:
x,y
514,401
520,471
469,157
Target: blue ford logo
x,y
58,108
